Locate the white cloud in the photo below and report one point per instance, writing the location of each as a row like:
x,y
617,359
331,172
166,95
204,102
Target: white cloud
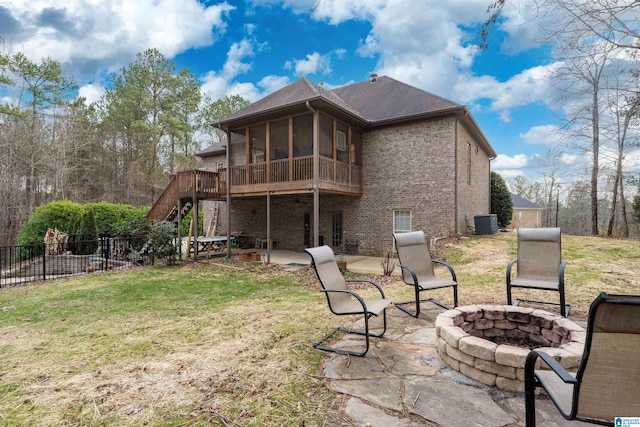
x,y
312,64
510,173
546,134
9,100
217,85
431,48
213,85
91,92
246,90
504,162
505,117
509,167
273,83
570,159
521,25
529,86
95,34
237,53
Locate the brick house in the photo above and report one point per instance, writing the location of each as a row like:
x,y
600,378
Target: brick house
x,y
525,213
348,167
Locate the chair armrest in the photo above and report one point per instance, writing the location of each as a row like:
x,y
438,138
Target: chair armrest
x,y
555,366
513,261
411,272
350,292
371,282
453,273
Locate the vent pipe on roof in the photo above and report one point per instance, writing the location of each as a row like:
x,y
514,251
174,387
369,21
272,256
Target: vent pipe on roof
x,y
373,77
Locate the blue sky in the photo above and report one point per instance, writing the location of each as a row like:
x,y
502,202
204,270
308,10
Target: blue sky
x,y
254,47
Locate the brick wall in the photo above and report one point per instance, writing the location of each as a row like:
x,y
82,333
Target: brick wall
x,y
405,167
474,193
531,218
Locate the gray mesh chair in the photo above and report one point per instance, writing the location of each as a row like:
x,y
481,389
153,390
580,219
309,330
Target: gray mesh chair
x,y
607,383
417,270
539,265
343,301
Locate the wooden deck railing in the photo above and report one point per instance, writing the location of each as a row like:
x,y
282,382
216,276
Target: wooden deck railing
x,y
212,185
296,169
187,185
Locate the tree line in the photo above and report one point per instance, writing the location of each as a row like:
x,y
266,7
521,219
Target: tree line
x,y
595,49
149,124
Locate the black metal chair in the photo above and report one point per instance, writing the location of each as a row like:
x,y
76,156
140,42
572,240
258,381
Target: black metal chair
x,y
539,265
417,270
607,383
343,301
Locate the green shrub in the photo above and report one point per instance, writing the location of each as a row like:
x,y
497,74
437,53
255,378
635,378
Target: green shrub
x,y
89,220
162,238
186,223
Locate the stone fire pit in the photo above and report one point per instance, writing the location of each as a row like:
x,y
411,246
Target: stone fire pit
x,y
463,341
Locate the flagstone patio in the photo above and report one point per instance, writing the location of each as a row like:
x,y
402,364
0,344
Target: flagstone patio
x,y
403,382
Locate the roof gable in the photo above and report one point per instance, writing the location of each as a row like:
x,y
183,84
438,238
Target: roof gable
x,y
297,93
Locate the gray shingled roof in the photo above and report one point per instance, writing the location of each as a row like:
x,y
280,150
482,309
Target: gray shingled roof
x,y
296,93
522,203
386,99
214,150
389,99
383,102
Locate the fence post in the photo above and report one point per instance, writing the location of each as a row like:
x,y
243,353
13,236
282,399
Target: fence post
x,y
44,261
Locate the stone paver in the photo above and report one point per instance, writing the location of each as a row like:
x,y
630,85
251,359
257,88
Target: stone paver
x,y
367,414
453,405
403,379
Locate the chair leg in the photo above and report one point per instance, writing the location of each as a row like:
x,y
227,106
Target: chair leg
x,y
509,300
530,384
455,296
529,405
401,305
418,302
563,307
365,333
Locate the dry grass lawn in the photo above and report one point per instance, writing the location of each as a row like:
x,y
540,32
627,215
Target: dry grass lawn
x,y
223,343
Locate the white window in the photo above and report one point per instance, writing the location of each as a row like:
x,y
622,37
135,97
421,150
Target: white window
x,y
401,221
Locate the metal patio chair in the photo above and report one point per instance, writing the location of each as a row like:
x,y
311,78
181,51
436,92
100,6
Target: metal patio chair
x,y
539,265
417,270
607,383
343,301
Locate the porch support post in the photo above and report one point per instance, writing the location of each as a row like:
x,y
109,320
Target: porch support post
x,y
316,172
228,185
268,227
179,219
196,214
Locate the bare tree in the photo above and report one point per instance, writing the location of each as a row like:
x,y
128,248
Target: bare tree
x,y
587,37
623,108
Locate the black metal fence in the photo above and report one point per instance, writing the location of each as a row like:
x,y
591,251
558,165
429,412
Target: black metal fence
x,y
41,261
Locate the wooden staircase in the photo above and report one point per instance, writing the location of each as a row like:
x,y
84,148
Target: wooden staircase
x,y
184,190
